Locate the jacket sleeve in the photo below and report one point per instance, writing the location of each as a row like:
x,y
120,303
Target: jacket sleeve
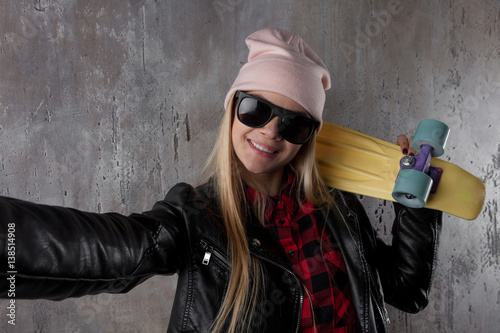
x,y
54,253
407,265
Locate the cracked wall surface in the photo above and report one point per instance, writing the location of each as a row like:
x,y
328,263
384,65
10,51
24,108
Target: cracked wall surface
x,y
106,105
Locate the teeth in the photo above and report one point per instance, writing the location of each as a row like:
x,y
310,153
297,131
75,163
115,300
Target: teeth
x,y
262,148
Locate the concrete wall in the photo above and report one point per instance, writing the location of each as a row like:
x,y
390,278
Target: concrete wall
x,y
104,105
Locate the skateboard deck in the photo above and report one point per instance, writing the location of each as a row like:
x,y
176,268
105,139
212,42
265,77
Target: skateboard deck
x,y
355,162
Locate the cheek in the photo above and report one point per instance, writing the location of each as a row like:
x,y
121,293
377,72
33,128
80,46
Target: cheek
x,y
238,132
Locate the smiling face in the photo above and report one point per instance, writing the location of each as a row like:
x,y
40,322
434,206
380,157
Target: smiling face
x,y
262,150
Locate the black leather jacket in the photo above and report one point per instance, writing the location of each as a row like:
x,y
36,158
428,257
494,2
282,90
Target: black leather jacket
x,y
62,252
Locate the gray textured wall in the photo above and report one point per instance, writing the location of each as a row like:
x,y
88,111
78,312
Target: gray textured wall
x,y
104,105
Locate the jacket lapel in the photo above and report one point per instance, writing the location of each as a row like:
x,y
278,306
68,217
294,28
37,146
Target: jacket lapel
x,y
344,228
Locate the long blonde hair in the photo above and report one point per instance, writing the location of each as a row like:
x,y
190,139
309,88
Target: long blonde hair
x,y
230,178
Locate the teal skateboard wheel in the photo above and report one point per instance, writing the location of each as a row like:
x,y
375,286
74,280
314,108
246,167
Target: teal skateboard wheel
x,y
412,188
433,133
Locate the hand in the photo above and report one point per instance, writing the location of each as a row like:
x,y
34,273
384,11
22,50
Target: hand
x,y
405,145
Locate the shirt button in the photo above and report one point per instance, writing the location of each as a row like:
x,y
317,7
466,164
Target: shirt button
x,y
291,253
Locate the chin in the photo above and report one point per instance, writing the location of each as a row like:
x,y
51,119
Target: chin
x,y
257,170
260,169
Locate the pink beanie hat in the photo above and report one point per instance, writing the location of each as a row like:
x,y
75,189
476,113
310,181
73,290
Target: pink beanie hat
x,y
282,63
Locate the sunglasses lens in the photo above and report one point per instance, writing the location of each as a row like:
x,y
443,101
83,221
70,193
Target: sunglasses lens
x,y
253,113
296,129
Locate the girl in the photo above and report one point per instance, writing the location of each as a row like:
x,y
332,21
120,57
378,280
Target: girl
x,y
262,245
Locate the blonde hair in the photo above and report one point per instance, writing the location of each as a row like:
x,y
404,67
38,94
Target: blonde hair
x,y
230,177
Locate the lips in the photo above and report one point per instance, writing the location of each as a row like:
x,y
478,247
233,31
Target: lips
x,y
261,148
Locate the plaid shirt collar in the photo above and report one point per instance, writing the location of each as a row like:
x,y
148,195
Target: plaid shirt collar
x,y
286,198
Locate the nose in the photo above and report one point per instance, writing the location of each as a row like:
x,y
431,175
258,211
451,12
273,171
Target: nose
x,y
272,129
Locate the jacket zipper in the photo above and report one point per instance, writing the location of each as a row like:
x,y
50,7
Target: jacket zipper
x,y
209,252
297,327
385,319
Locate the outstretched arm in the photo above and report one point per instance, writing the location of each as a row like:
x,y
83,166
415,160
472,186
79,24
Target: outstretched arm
x,y
54,252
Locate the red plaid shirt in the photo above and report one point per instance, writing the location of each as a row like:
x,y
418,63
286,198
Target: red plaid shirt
x,y
314,259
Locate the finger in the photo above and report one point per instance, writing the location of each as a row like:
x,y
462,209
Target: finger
x,y
412,151
402,142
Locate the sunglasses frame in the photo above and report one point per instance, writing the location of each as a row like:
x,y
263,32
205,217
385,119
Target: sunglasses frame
x,y
275,111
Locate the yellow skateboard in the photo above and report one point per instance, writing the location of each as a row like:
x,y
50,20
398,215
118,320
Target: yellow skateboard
x,y
354,162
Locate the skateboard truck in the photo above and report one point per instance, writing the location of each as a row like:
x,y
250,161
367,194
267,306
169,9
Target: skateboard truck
x,y
422,163
417,178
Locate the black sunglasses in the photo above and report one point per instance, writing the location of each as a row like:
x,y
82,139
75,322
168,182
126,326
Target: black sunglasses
x,y
255,112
